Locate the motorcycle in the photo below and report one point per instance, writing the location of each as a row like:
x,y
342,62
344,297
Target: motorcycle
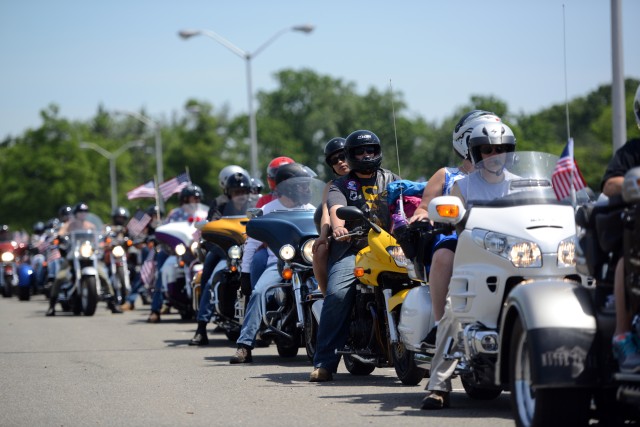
x,y
11,253
522,242
180,239
116,254
563,362
287,306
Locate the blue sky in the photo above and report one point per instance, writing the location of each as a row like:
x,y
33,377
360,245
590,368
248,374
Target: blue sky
x,y
125,54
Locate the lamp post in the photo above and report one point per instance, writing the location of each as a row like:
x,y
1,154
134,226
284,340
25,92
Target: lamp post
x,y
247,56
112,163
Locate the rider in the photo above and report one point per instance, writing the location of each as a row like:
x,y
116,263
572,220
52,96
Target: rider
x,y
440,184
237,189
362,187
335,157
292,197
188,195
489,144
272,169
625,344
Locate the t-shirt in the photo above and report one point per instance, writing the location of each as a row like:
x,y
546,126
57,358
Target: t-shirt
x,y
625,158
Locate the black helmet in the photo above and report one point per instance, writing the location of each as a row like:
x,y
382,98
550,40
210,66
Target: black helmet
x,y
153,211
332,147
80,207
297,179
53,223
256,185
64,211
39,227
358,140
237,181
189,191
120,216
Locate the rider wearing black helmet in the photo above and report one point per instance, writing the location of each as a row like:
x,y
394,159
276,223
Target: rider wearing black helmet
x,y
362,187
64,213
120,216
190,193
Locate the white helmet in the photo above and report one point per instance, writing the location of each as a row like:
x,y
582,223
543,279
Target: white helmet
x,y
227,171
490,133
636,106
464,127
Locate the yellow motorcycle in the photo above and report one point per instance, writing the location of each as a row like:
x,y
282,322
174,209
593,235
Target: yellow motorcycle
x,y
384,282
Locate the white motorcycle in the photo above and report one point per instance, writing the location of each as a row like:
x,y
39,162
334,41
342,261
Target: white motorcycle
x,y
504,244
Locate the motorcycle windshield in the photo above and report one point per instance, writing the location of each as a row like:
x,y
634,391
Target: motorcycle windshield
x,y
304,192
80,237
279,228
238,205
195,211
516,178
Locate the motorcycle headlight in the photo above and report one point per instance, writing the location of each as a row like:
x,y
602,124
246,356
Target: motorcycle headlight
x,y
307,252
194,248
287,252
398,256
567,253
118,251
521,253
86,250
235,252
7,257
180,249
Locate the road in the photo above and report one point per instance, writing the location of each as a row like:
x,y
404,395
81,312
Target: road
x,y
118,370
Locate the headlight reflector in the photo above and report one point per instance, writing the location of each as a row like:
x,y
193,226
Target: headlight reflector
x,y
521,253
117,251
180,249
7,257
567,252
287,252
398,256
235,252
307,252
86,250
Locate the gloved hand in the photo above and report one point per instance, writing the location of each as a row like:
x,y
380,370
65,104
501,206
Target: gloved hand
x,y
245,284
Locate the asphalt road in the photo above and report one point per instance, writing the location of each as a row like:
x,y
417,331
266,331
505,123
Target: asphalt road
x,y
118,370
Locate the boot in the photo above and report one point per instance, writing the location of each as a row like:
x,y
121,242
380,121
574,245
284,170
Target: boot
x,y
115,309
51,311
200,338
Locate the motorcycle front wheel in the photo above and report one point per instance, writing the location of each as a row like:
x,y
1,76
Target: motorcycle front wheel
x,y
310,332
541,407
356,367
405,365
88,295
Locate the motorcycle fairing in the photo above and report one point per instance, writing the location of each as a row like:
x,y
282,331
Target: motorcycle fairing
x,y
283,227
226,231
175,233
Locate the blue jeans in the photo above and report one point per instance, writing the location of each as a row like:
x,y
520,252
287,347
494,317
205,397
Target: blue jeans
x,y
137,287
253,314
205,309
333,329
158,291
258,265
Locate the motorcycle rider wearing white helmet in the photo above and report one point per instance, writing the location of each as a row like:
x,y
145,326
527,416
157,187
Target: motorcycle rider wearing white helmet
x,y
489,144
625,344
440,184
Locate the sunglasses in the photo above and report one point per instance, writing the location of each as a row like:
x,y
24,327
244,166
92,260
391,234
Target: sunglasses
x,y
359,151
333,160
489,149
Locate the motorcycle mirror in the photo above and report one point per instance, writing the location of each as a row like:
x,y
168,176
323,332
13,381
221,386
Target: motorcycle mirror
x,y
254,213
350,213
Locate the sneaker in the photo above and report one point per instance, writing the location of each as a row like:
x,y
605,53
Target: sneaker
x,y
199,339
153,317
430,340
320,375
626,351
436,399
127,306
243,355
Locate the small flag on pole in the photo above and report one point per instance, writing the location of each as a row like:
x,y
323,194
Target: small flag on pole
x,y
148,269
145,190
138,222
566,173
174,185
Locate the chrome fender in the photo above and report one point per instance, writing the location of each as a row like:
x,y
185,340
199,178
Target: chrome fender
x,y
561,326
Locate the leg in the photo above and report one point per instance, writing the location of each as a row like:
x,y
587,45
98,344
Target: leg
x,y
320,260
624,343
206,307
258,265
158,291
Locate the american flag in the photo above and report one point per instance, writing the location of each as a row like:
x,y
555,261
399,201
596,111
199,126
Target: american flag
x,y
174,185
145,190
565,167
148,269
138,222
53,253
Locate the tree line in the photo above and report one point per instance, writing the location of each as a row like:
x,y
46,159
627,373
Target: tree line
x,y
45,168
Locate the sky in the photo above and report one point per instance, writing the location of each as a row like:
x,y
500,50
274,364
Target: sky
x,y
126,54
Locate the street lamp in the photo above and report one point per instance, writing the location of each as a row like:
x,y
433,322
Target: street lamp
x,y
112,163
247,56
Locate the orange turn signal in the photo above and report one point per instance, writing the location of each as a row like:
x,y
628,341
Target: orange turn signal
x,y
358,271
287,274
233,268
448,211
181,263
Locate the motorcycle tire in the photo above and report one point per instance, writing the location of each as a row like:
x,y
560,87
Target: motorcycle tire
x,y
310,332
7,290
287,349
88,295
542,407
479,393
233,335
405,365
24,293
355,367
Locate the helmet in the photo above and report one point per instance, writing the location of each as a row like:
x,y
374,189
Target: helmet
x,y
358,139
227,171
294,174
64,211
38,227
53,223
120,216
464,127
636,106
333,146
153,211
191,190
490,134
236,181
80,207
256,185
272,168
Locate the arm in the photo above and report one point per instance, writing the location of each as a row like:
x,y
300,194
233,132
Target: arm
x,y
613,186
455,191
433,189
325,222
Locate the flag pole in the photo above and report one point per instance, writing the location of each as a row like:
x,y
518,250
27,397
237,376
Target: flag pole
x,y
566,107
158,198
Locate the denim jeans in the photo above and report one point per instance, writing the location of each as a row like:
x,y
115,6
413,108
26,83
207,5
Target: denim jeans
x,y
258,265
137,286
158,291
205,310
253,314
333,329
